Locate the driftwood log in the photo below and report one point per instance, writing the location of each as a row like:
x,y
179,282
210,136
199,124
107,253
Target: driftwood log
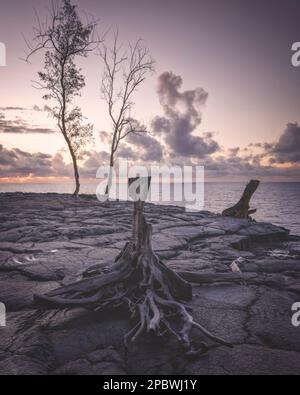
x,y
154,295
242,208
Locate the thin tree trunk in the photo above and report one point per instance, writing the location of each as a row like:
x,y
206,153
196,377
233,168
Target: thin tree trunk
x,y
76,174
64,132
74,162
109,179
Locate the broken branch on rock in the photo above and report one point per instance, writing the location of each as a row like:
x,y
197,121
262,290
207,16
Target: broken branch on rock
x,y
242,208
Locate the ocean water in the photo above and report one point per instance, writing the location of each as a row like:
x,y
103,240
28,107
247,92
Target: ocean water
x,y
276,202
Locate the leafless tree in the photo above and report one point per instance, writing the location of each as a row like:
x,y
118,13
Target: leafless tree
x,y
125,69
63,36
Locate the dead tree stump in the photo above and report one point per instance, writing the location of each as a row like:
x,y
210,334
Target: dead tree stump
x,y
241,209
153,294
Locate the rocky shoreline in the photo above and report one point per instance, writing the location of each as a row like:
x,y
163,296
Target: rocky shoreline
x,y
47,240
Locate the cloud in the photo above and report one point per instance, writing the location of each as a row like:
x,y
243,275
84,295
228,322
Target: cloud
x,y
44,108
287,149
144,146
105,137
230,165
19,108
91,160
234,151
249,166
182,116
20,126
18,163
264,146
127,152
59,168
275,160
137,146
15,163
10,108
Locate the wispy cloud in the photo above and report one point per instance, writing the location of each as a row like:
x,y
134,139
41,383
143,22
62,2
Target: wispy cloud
x,y
17,124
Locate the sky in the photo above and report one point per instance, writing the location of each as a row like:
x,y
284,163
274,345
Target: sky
x,y
224,93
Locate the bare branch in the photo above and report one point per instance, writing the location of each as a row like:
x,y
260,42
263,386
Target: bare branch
x,y
124,72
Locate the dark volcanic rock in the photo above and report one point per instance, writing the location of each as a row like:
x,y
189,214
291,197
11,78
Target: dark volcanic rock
x,y
50,240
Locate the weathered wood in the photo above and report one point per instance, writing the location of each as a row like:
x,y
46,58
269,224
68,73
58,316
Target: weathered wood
x,y
241,209
138,280
138,190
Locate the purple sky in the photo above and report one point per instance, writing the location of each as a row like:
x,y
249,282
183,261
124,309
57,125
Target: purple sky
x,y
237,51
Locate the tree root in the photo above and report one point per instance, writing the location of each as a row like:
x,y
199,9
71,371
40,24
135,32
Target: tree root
x,y
153,294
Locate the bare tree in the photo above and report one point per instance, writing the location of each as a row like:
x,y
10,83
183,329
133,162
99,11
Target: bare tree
x,y
124,72
63,36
